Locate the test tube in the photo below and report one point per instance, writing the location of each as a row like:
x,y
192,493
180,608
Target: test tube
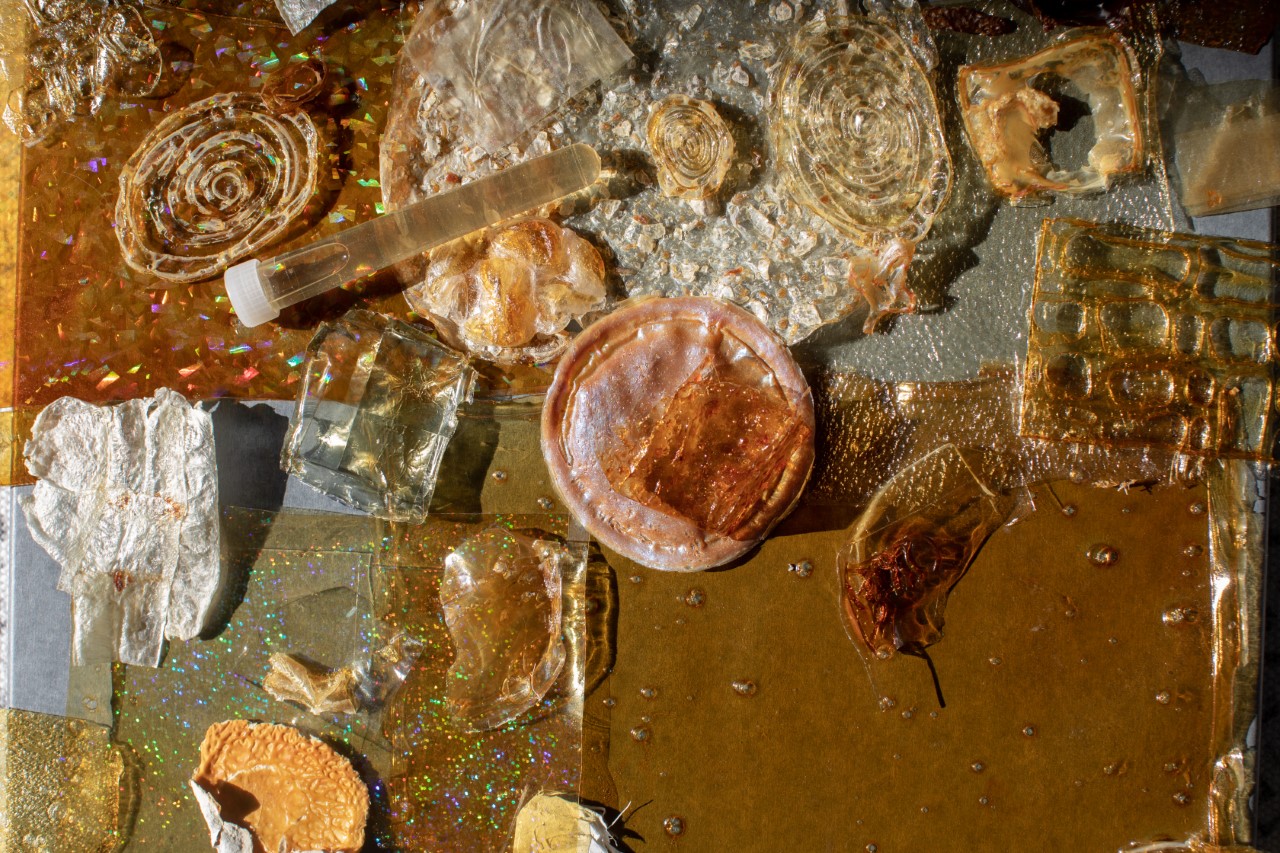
x,y
260,289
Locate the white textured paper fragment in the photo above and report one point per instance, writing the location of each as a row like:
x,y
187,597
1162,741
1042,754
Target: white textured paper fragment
x,y
127,504
553,823
297,14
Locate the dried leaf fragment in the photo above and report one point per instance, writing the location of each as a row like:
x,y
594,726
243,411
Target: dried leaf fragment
x,y
319,690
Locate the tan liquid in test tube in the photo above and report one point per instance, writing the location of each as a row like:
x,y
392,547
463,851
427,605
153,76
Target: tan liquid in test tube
x,y
260,289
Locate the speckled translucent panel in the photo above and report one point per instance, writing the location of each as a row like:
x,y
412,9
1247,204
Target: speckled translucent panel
x,y
1148,338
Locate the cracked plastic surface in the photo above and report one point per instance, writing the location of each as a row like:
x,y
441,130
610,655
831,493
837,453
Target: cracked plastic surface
x,y
1007,110
909,550
691,146
678,431
127,504
1151,338
213,183
508,295
376,409
501,599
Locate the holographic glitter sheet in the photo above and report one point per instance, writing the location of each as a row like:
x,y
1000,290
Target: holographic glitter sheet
x,y
432,785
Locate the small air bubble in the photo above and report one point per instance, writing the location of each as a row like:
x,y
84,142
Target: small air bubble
x,y
636,579
1193,550
1163,697
995,661
977,767
1029,731
649,692
909,713
1196,508
546,503
982,801
695,598
640,734
1069,510
744,688
610,702
871,848
499,476
887,703
1181,798
90,703
674,826
1102,555
924,810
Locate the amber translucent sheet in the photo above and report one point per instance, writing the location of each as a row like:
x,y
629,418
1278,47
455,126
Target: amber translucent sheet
x,y
1088,704
432,786
88,326
1144,338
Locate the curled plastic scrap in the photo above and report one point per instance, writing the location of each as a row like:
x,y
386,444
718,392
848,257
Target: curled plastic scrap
x,y
912,545
81,52
1006,111
855,125
691,145
127,503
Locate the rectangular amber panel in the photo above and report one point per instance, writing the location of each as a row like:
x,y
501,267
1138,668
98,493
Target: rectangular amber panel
x,y
1154,339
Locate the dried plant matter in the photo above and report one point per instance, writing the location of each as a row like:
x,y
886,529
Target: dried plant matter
x,y
501,601
81,53
691,145
856,131
509,295
908,552
214,182
1006,114
319,690
127,503
678,431
290,791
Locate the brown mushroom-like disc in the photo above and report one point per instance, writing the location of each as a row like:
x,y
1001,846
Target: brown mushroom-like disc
x,y
678,431
285,787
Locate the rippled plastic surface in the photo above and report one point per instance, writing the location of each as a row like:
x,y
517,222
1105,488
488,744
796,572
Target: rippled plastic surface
x,y
1007,110
63,785
1147,338
376,409
127,504
908,551
678,431
501,598
509,295
691,146
213,183
81,54
510,63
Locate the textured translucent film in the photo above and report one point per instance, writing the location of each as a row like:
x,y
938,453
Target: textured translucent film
x,y
1148,338
691,146
63,785
127,504
376,409
510,63
1007,110
80,56
300,574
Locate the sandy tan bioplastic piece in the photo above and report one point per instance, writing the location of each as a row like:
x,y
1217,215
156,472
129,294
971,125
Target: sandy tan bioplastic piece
x,y
285,787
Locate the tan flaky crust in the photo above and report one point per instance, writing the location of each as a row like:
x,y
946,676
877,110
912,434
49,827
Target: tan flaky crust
x,y
283,786
619,389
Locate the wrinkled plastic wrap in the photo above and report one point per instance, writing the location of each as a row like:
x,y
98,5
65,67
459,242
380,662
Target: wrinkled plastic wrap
x,y
1152,339
127,504
376,409
501,599
510,63
297,14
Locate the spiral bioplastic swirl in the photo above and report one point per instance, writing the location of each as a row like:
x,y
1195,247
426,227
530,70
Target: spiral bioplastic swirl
x,y
213,183
691,145
856,131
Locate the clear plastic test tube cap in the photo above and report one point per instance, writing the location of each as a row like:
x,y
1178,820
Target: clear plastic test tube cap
x,y
247,294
